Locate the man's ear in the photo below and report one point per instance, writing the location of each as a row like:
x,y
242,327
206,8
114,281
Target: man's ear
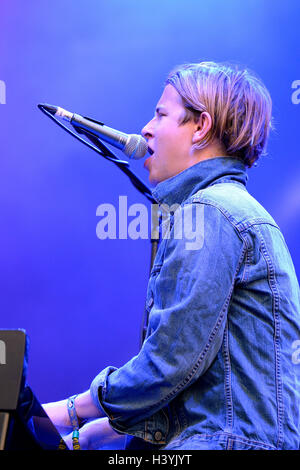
x,y
202,127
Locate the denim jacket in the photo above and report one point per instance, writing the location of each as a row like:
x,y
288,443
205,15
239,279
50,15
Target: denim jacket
x,y
218,368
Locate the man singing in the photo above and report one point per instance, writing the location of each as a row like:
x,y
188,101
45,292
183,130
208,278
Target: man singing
x,y
215,370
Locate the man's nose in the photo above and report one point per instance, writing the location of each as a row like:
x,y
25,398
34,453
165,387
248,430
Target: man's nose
x,y
147,131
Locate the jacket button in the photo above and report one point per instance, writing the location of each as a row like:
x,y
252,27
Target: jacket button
x,y
158,436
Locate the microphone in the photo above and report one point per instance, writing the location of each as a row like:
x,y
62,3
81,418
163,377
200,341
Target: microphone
x,y
133,145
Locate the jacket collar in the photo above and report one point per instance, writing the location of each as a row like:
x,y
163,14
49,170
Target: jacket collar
x,y
178,188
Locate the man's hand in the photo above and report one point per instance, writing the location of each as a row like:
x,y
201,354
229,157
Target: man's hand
x,y
58,413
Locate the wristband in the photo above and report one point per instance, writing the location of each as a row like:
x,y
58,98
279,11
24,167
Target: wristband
x,y
74,422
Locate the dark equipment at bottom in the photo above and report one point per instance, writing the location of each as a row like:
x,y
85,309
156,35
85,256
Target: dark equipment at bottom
x,y
24,425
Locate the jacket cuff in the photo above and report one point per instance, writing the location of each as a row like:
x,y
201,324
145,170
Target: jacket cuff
x,y
99,386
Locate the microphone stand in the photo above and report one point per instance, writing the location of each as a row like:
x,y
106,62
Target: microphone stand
x,y
99,147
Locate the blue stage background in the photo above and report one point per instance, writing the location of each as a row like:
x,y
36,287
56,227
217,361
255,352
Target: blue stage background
x,y
81,299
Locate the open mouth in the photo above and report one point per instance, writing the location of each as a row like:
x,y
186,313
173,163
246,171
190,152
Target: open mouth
x,y
150,150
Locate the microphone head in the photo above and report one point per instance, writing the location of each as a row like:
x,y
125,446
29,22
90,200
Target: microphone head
x,y
48,107
136,147
56,111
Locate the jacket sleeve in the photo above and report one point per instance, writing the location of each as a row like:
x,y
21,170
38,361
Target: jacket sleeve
x,y
191,295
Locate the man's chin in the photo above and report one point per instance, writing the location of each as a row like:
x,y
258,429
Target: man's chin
x,y
154,180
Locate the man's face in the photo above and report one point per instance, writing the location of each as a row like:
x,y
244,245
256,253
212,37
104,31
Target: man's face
x,y
170,141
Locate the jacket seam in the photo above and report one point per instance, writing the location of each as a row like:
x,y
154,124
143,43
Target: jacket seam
x,y
239,226
247,261
277,330
227,382
225,213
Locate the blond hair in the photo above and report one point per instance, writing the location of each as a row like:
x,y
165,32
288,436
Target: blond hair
x,y
238,102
